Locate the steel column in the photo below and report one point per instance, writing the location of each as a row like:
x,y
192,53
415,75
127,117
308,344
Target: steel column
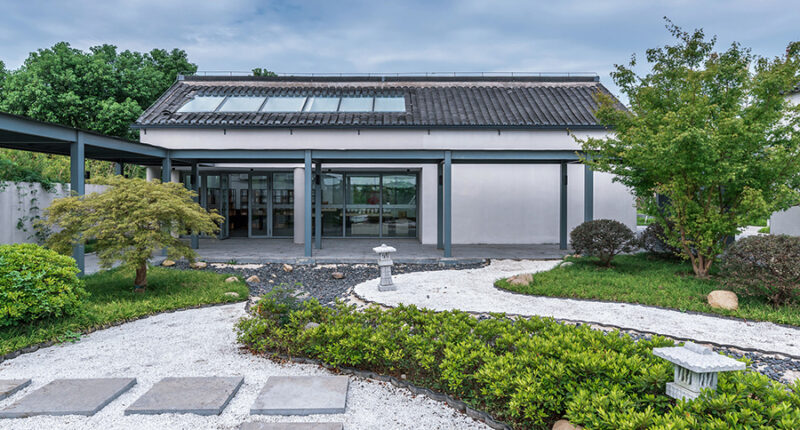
x,y
194,182
447,204
588,193
166,169
77,179
439,208
119,168
562,225
318,203
307,205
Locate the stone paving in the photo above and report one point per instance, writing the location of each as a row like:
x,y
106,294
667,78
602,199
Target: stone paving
x,y
11,386
69,397
196,395
291,426
302,395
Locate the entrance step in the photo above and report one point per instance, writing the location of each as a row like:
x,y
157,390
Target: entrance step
x,y
195,395
302,395
291,426
69,397
11,386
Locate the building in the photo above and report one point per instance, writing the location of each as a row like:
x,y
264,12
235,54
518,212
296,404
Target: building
x,y
384,150
788,221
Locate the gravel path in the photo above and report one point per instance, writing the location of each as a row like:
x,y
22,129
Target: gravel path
x,y
473,290
201,342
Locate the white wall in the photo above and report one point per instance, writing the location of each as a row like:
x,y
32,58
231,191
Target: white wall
x,y
786,222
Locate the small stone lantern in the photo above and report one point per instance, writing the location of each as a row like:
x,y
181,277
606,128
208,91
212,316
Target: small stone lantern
x,y
696,367
385,264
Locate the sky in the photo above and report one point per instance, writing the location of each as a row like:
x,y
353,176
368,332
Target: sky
x,y
409,36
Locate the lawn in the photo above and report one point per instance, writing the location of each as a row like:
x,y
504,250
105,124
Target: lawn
x,y
112,299
644,279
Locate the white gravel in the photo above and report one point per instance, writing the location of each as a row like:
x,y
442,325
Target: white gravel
x,y
202,343
473,290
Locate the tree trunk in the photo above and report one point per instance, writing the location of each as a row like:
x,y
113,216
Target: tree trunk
x,y
140,282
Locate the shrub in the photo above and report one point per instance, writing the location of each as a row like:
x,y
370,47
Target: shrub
x,y
764,266
526,372
602,238
37,283
653,240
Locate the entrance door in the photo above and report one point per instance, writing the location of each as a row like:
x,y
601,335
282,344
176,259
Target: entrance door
x,y
259,206
363,204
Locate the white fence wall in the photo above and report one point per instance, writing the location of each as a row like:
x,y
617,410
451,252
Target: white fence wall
x,y
786,222
21,203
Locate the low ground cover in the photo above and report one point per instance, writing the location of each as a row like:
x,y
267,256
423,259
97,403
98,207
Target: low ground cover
x,y
112,299
644,279
526,372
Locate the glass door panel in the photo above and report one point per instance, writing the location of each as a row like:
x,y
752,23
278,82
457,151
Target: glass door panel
x,y
238,202
259,222
399,209
363,205
282,204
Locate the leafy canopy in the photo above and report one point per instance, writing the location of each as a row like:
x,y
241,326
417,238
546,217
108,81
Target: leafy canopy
x,y
710,131
131,221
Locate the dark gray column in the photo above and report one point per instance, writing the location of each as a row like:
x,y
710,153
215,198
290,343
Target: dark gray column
x,y
447,204
196,189
119,168
439,208
166,169
307,203
318,203
588,194
562,225
77,179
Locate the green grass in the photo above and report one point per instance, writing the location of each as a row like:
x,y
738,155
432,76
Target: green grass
x,y
646,280
112,299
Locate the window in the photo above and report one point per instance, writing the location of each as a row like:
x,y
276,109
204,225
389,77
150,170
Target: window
x,y
242,104
390,104
356,104
202,104
284,104
322,104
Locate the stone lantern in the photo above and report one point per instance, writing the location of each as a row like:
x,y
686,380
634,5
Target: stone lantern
x,y
696,367
385,265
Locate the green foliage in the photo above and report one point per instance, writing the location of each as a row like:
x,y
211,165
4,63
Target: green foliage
x,y
527,372
131,221
648,280
37,283
767,267
112,300
654,240
12,172
710,131
602,238
258,71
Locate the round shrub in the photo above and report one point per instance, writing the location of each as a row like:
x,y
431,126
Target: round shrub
x,y
37,283
653,240
764,266
602,238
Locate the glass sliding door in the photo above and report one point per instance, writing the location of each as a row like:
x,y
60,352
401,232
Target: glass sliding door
x,y
332,205
399,209
238,204
259,206
282,204
363,202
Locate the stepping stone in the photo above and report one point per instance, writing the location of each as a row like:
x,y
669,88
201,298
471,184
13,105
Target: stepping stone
x,y
11,386
69,397
200,396
302,395
291,426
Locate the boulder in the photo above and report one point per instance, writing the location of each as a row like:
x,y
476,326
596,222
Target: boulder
x,y
723,299
565,425
521,279
253,279
337,275
231,294
231,279
566,264
167,263
199,265
287,267
311,325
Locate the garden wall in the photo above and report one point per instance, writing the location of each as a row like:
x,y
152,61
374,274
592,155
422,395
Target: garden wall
x,y
786,222
22,203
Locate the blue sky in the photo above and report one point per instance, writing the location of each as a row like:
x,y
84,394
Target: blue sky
x,y
393,36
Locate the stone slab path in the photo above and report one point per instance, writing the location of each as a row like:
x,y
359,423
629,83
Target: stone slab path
x,y
302,395
193,395
473,290
11,386
291,426
200,343
69,397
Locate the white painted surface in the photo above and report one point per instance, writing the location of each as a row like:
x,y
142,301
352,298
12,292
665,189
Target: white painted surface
x,y
786,222
473,290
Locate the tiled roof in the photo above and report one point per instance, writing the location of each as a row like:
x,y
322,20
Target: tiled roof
x,y
498,102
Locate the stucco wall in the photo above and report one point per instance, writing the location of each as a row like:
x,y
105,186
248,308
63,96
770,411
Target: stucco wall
x,y
786,222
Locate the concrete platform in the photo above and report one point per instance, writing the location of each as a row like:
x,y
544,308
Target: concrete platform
x,y
197,395
69,397
291,426
10,386
302,395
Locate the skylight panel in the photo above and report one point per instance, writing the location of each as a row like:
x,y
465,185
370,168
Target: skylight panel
x,y
356,104
284,104
390,104
202,104
242,104
322,104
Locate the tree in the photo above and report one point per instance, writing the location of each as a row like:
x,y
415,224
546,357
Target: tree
x,y
130,222
258,71
710,131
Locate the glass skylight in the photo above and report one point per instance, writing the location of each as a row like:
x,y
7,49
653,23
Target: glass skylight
x,y
242,104
390,104
356,104
284,104
202,104
322,104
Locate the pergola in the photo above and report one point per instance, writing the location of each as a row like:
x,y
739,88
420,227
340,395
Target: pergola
x,y
17,132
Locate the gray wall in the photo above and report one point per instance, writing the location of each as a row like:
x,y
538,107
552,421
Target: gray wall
x,y
786,222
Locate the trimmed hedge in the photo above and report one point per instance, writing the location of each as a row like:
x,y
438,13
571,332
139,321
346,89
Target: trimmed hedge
x,y
526,372
37,283
653,240
602,238
767,267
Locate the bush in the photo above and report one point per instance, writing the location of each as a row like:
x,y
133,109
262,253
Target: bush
x,y
653,240
526,372
602,238
766,267
37,283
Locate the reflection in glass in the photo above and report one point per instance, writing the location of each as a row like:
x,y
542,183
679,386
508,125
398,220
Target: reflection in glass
x,y
282,204
363,205
258,217
399,206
